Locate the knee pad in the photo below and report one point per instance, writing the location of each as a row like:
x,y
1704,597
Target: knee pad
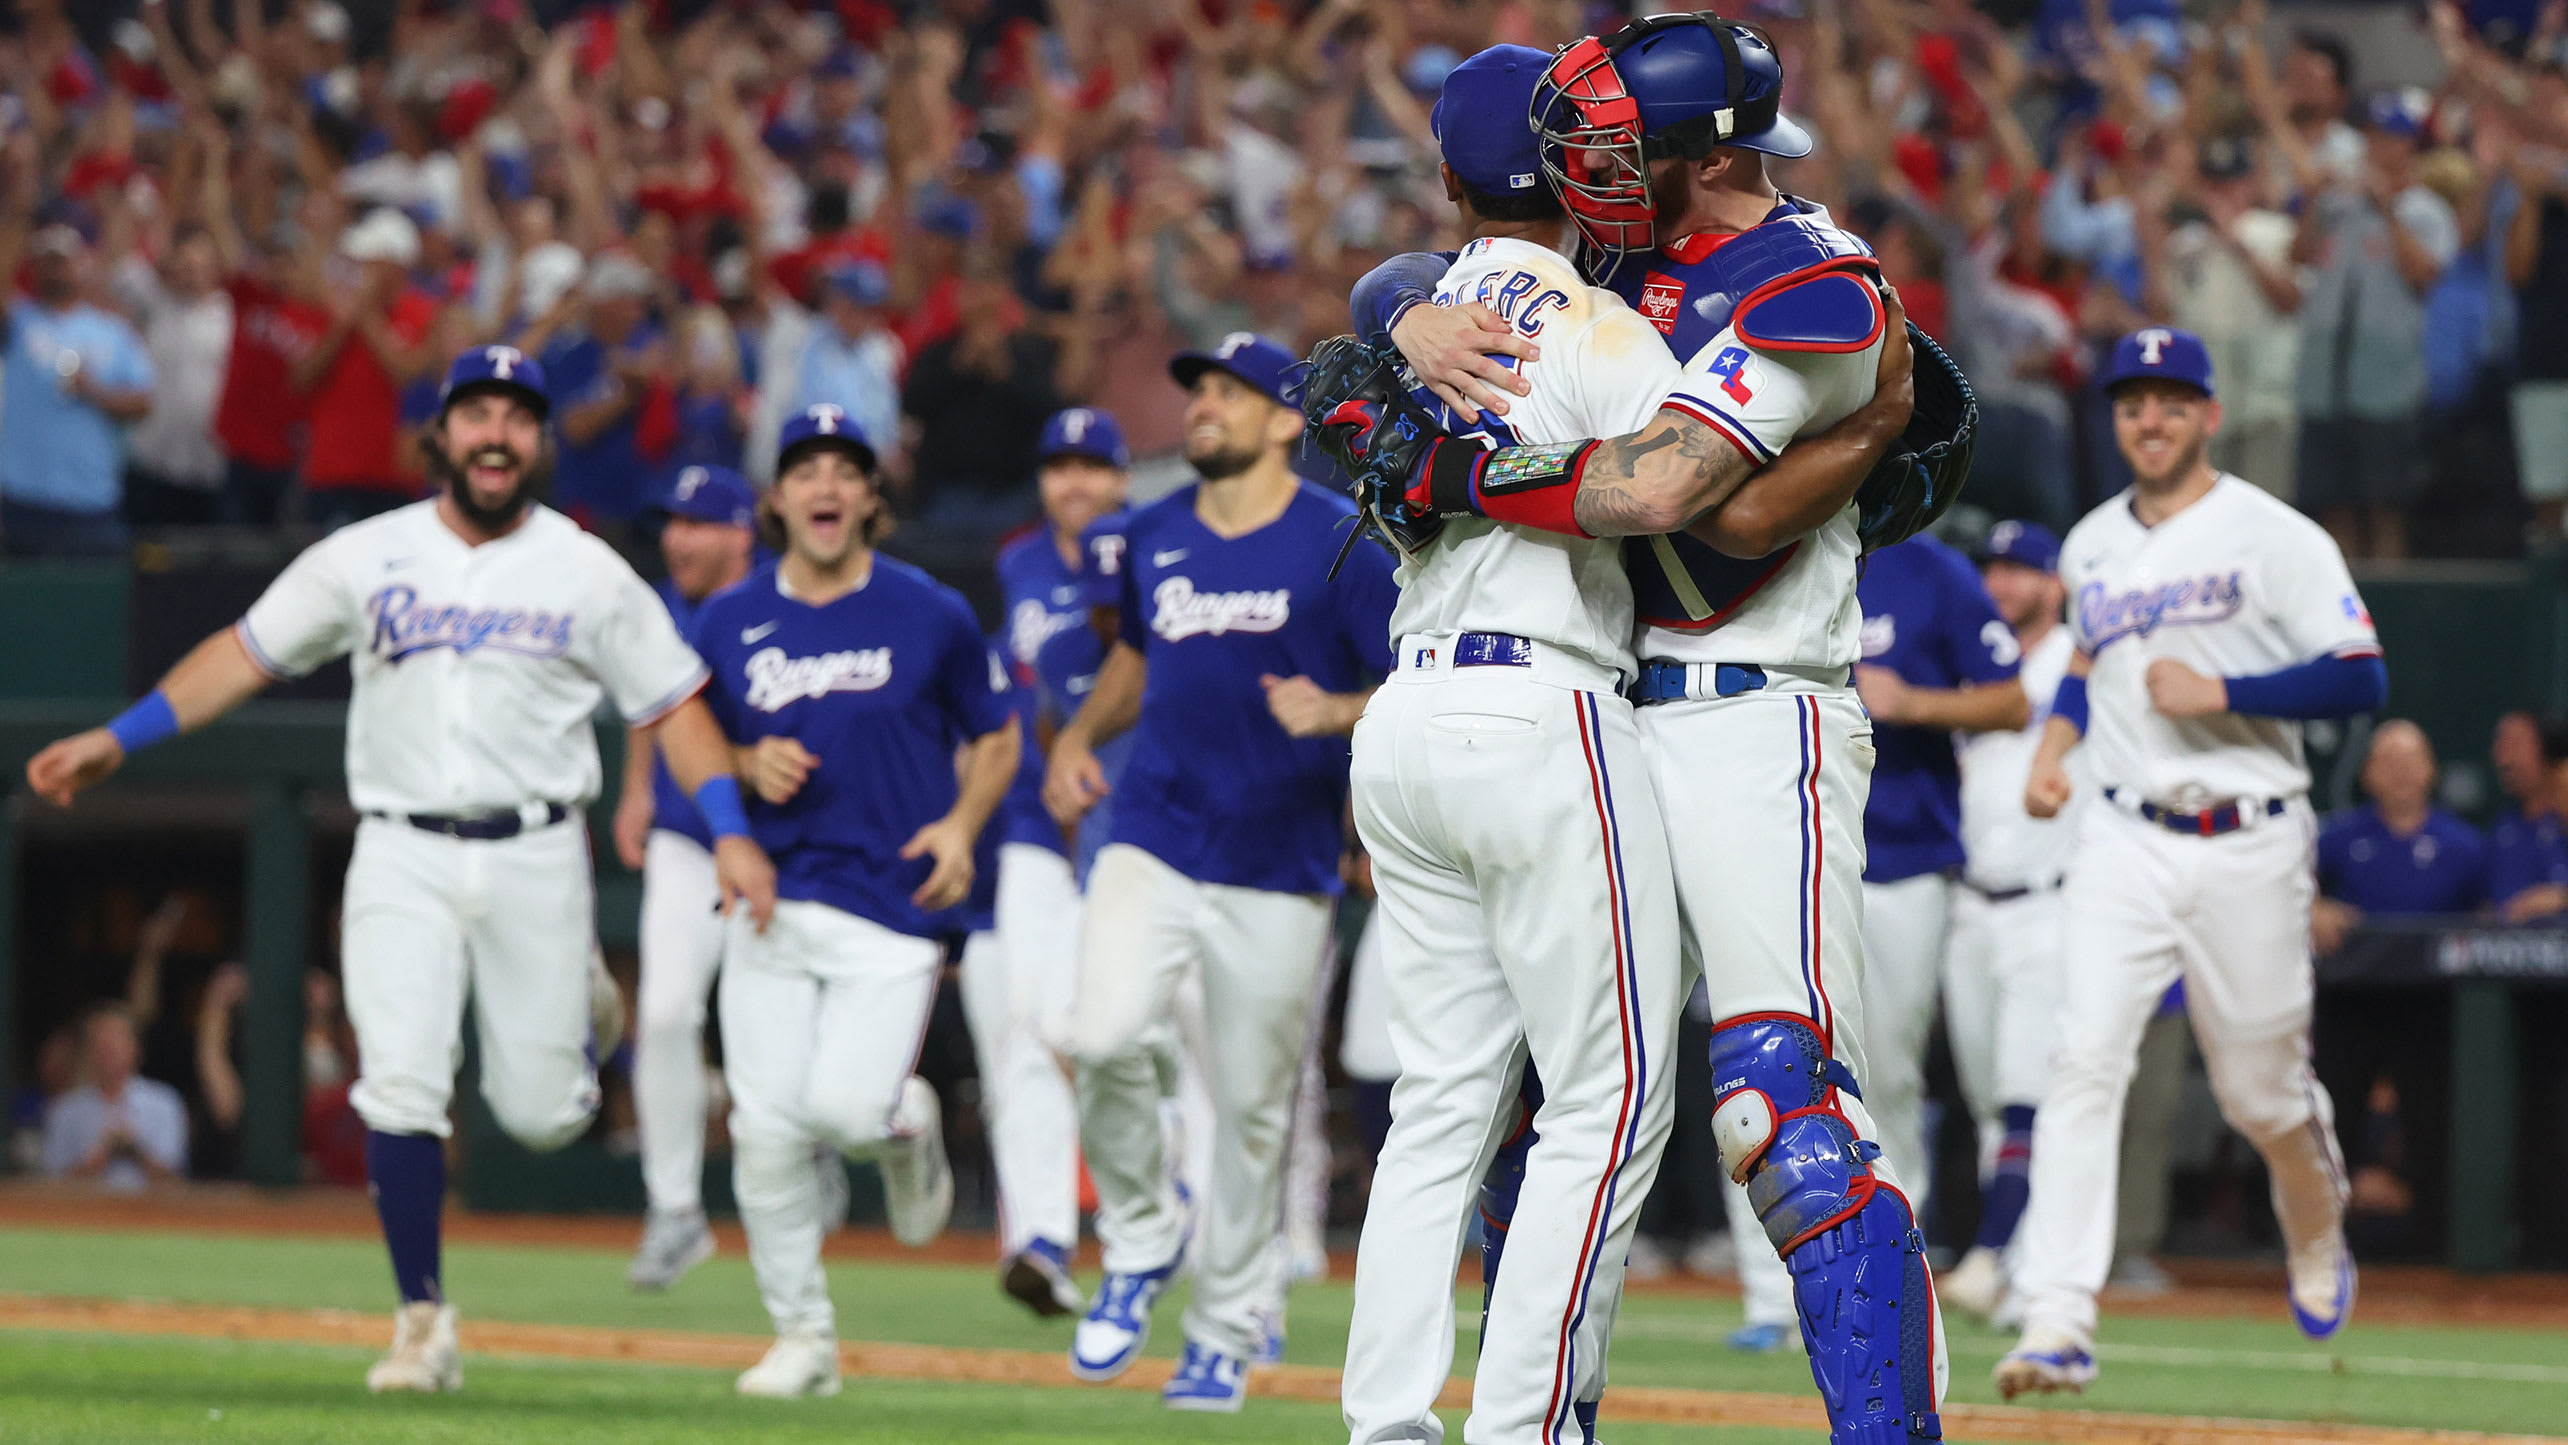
x,y
1781,1133
1867,1311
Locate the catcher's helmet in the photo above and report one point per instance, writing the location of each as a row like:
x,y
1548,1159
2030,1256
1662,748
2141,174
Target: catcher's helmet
x,y
1665,85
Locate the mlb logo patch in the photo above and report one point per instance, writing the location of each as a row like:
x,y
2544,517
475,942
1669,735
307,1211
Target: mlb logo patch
x,y
1660,298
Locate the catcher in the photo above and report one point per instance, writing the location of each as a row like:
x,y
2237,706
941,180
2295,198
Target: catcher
x,y
1654,139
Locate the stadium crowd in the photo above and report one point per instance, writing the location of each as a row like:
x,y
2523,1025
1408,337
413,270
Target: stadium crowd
x,y
242,235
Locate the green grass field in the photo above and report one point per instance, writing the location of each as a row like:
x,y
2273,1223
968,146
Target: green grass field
x,y
108,1388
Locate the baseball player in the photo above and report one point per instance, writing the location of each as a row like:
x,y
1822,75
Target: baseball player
x,y
849,682
708,540
1938,664
1749,627
1237,664
2002,958
2210,620
1018,985
482,630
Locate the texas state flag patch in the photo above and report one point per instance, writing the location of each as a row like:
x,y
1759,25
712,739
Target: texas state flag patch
x,y
1660,299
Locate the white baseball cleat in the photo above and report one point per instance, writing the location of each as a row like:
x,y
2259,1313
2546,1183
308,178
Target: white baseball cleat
x,y
918,1183
2322,1288
1974,1282
2045,1362
800,1363
425,1354
673,1242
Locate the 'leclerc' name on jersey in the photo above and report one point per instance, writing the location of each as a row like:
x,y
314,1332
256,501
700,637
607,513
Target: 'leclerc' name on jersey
x,y
1178,611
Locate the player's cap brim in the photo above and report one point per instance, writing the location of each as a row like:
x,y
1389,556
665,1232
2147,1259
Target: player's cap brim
x,y
536,401
1085,454
854,446
1189,366
1784,138
2112,384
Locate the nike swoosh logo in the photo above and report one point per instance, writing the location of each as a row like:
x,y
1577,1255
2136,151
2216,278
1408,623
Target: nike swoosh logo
x,y
1163,559
752,634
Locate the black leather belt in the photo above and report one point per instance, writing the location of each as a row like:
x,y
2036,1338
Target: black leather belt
x,y
479,827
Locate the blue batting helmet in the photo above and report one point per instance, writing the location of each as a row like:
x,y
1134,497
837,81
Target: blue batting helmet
x,y
1662,86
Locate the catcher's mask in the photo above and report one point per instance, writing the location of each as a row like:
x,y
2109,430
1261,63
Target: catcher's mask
x,y
1665,85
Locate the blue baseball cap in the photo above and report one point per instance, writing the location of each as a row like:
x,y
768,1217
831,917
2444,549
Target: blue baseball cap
x,y
1083,431
712,494
1483,120
864,282
2400,112
2027,544
2159,353
824,425
1266,367
496,368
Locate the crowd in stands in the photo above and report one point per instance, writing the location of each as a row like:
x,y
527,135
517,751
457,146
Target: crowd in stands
x,y
242,235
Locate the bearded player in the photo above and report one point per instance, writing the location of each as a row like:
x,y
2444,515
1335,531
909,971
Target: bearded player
x,y
482,630
1655,138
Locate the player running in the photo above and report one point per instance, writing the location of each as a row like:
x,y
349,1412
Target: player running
x,y
849,681
709,538
1237,665
1019,984
1655,139
482,629
2210,621
2002,959
1527,908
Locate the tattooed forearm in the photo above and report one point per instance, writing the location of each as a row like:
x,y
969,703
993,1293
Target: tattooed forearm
x,y
1658,479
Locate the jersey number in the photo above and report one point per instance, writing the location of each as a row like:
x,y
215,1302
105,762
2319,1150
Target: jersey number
x,y
1732,361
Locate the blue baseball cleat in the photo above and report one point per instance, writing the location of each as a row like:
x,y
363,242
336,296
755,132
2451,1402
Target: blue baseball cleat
x,y
1758,1339
1118,1322
1270,1350
2044,1363
1207,1380
2334,1299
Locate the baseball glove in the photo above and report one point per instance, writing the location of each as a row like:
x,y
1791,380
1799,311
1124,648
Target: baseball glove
x,y
1916,481
1355,397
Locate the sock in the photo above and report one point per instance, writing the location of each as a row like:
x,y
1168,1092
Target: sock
x,y
406,1174
2012,1182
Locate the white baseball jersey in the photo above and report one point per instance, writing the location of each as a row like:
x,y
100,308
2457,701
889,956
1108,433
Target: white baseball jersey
x,y
1805,614
477,668
2235,585
2008,847
1602,372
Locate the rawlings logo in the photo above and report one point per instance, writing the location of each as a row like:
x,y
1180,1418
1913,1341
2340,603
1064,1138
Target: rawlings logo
x,y
2108,616
1659,302
1032,624
777,681
403,625
1178,611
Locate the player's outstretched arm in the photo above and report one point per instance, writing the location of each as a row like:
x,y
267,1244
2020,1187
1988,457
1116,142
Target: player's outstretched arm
x,y
1817,476
1075,781
210,681
700,759
989,766
2046,790
633,805
1986,707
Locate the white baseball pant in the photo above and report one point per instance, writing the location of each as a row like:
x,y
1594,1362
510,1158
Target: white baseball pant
x,y
681,953
2002,998
1307,1163
821,1020
2229,915
1014,979
428,920
1526,912
1904,927
1364,1035
1147,930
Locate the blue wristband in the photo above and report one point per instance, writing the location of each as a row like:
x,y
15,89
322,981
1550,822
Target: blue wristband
x,y
719,801
147,722
2069,704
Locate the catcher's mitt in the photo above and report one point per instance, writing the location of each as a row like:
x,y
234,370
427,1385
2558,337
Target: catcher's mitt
x,y
1355,397
1917,480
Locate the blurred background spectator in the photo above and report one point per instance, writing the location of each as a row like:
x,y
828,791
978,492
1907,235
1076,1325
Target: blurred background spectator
x,y
117,1129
